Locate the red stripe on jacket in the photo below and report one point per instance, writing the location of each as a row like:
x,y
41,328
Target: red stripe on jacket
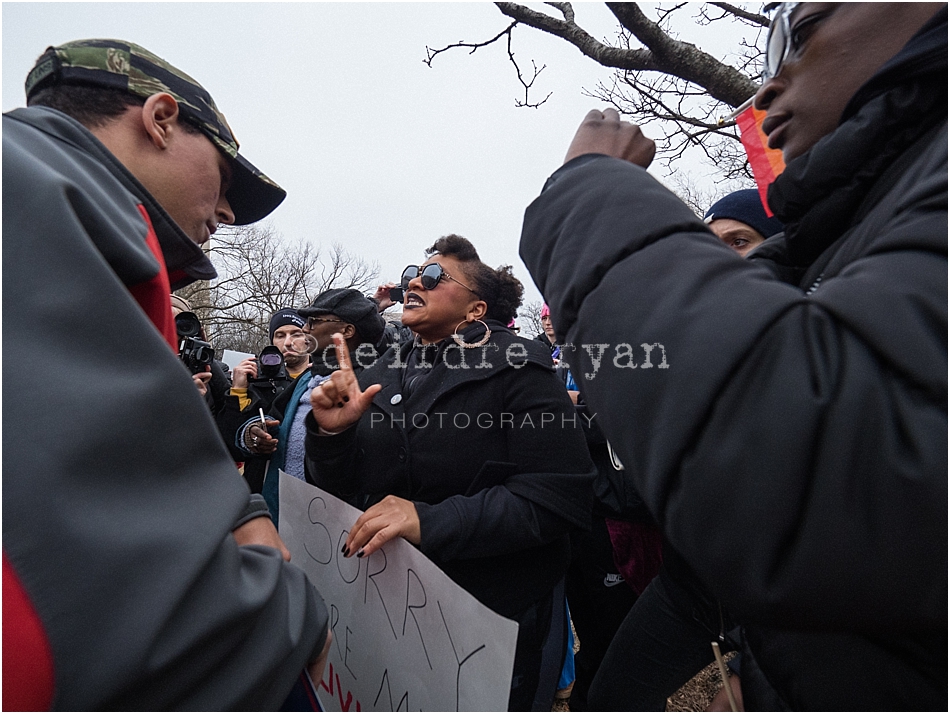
x,y
153,295
27,657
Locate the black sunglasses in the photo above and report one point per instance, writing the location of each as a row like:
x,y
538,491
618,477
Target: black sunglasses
x,y
778,40
430,277
785,40
314,321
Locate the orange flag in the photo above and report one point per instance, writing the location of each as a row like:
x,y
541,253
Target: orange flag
x,y
766,163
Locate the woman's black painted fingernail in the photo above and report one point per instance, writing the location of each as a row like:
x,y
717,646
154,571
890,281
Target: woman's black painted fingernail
x,y
346,552
359,553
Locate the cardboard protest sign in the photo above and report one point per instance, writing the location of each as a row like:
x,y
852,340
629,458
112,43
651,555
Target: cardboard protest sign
x,y
406,638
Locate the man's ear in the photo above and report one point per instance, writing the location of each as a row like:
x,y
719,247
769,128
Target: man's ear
x,y
159,116
348,331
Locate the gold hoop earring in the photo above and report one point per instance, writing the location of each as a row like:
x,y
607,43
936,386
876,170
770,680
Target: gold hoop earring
x,y
462,343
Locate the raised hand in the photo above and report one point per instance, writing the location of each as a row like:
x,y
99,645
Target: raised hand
x,y
604,133
382,296
339,402
242,372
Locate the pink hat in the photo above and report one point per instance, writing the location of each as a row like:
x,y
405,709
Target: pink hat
x,y
545,311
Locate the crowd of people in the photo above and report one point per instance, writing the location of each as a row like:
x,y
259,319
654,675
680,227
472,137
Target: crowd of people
x,y
743,414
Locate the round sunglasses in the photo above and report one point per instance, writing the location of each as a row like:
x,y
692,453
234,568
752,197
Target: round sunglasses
x,y
429,277
784,40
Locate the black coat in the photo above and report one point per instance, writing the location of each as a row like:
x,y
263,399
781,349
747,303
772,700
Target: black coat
x,y
230,418
794,449
496,496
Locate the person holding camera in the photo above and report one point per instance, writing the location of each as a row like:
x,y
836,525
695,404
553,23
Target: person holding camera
x,y
257,381
262,378
265,379
385,297
207,373
281,438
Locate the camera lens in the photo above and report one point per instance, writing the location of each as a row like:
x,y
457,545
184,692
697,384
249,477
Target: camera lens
x,y
205,355
187,324
270,360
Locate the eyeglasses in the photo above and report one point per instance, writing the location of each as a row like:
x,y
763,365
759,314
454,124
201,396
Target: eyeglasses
x,y
430,277
312,321
778,43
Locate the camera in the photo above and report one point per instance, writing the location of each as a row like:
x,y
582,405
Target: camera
x,y
270,367
195,353
396,294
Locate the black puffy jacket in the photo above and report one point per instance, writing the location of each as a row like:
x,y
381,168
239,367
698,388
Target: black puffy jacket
x,y
794,450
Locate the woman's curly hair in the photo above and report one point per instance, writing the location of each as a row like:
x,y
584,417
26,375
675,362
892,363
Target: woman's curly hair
x,y
500,289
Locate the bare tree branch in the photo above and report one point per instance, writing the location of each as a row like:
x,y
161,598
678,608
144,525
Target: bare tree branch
x,y
527,85
431,53
599,52
530,317
752,17
660,80
685,60
663,14
258,274
565,8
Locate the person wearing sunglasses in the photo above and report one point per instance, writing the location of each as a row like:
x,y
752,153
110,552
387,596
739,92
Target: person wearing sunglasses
x,y
795,451
441,442
343,311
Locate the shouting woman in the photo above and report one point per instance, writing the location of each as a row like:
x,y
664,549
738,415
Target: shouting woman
x,y
463,442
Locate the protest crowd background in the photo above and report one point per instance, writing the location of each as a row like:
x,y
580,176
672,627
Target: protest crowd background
x,y
715,451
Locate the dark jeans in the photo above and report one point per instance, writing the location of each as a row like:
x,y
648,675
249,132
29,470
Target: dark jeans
x,y
599,600
663,642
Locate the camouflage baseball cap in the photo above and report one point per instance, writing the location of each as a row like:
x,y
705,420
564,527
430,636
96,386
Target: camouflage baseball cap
x,y
122,65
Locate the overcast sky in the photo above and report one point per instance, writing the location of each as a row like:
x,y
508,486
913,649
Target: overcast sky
x,y
333,101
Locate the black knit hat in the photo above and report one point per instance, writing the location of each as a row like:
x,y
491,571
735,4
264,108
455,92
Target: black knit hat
x,y
350,306
285,316
746,207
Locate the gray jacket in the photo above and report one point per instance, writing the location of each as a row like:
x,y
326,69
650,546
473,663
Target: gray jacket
x,y
119,496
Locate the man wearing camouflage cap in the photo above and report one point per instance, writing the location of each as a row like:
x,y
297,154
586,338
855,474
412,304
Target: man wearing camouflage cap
x,y
136,566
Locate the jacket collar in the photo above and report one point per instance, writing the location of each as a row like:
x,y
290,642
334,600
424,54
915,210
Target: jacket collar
x,y
185,261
